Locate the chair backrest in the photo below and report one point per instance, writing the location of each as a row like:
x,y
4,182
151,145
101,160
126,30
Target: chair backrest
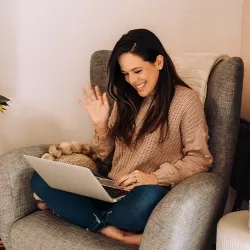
x,y
222,106
99,70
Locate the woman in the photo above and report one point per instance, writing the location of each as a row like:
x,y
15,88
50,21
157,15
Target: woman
x,y
157,130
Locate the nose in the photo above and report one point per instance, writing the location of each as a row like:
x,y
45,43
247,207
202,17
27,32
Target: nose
x,y
132,78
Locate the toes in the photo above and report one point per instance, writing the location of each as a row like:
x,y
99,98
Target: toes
x,y
42,206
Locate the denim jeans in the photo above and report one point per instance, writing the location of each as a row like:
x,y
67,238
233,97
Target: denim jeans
x,y
131,213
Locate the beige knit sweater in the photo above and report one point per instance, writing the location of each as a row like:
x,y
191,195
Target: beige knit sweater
x,y
182,154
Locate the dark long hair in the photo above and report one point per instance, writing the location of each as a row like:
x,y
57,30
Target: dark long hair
x,y
143,43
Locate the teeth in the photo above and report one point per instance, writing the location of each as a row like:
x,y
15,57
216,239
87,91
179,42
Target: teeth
x,y
140,86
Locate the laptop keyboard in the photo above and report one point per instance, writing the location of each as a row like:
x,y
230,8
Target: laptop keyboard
x,y
114,192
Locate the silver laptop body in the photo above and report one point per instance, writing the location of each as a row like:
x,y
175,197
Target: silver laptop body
x,y
75,179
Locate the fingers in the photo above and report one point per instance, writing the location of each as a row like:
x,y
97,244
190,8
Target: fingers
x,y
134,174
92,93
98,93
86,96
130,187
130,181
103,97
127,180
105,100
89,97
81,102
122,179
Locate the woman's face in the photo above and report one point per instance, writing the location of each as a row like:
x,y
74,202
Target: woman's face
x,y
140,74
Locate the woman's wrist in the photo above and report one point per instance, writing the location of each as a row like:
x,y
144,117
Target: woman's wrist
x,y
154,178
101,129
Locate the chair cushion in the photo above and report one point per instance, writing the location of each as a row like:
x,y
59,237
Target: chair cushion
x,y
44,231
194,69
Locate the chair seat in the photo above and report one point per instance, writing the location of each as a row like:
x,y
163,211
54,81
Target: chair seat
x,y
43,230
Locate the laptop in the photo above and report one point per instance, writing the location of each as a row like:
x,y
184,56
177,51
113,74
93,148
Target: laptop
x,y
76,179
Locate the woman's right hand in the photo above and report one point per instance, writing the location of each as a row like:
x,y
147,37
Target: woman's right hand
x,y
97,106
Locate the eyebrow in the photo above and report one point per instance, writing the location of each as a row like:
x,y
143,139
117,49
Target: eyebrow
x,y
132,69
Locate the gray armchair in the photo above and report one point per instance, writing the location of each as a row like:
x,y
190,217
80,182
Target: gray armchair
x,y
185,218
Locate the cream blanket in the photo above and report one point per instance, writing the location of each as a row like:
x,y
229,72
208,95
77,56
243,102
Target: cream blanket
x,y
195,68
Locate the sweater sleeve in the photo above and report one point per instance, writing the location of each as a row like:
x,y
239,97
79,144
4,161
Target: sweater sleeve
x,y
196,156
103,145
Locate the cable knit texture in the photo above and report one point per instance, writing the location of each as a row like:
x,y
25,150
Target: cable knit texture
x,y
183,153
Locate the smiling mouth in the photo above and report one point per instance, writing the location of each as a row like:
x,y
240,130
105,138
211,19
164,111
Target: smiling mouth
x,y
140,86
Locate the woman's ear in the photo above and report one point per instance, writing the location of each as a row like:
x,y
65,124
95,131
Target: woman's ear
x,y
159,62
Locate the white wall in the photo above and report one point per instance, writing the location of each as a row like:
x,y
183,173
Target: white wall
x,y
50,43
245,53
8,17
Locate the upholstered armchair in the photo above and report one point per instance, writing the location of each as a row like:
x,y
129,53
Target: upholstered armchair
x,y
185,219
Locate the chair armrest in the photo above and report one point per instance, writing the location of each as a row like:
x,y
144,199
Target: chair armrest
x,y
15,196
187,216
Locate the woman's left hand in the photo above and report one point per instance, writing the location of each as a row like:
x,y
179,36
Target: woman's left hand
x,y
136,178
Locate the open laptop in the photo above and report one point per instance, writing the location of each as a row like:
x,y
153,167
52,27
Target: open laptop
x,y
76,179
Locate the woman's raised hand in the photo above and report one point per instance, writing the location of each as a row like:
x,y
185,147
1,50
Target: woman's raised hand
x,y
97,106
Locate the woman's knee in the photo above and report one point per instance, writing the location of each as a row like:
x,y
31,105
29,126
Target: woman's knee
x,y
38,185
150,193
132,212
145,198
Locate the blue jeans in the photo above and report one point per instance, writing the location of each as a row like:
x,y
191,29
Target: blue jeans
x,y
129,214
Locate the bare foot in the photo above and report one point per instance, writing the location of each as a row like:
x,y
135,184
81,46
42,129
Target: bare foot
x,y
36,197
42,205
123,236
113,232
134,239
